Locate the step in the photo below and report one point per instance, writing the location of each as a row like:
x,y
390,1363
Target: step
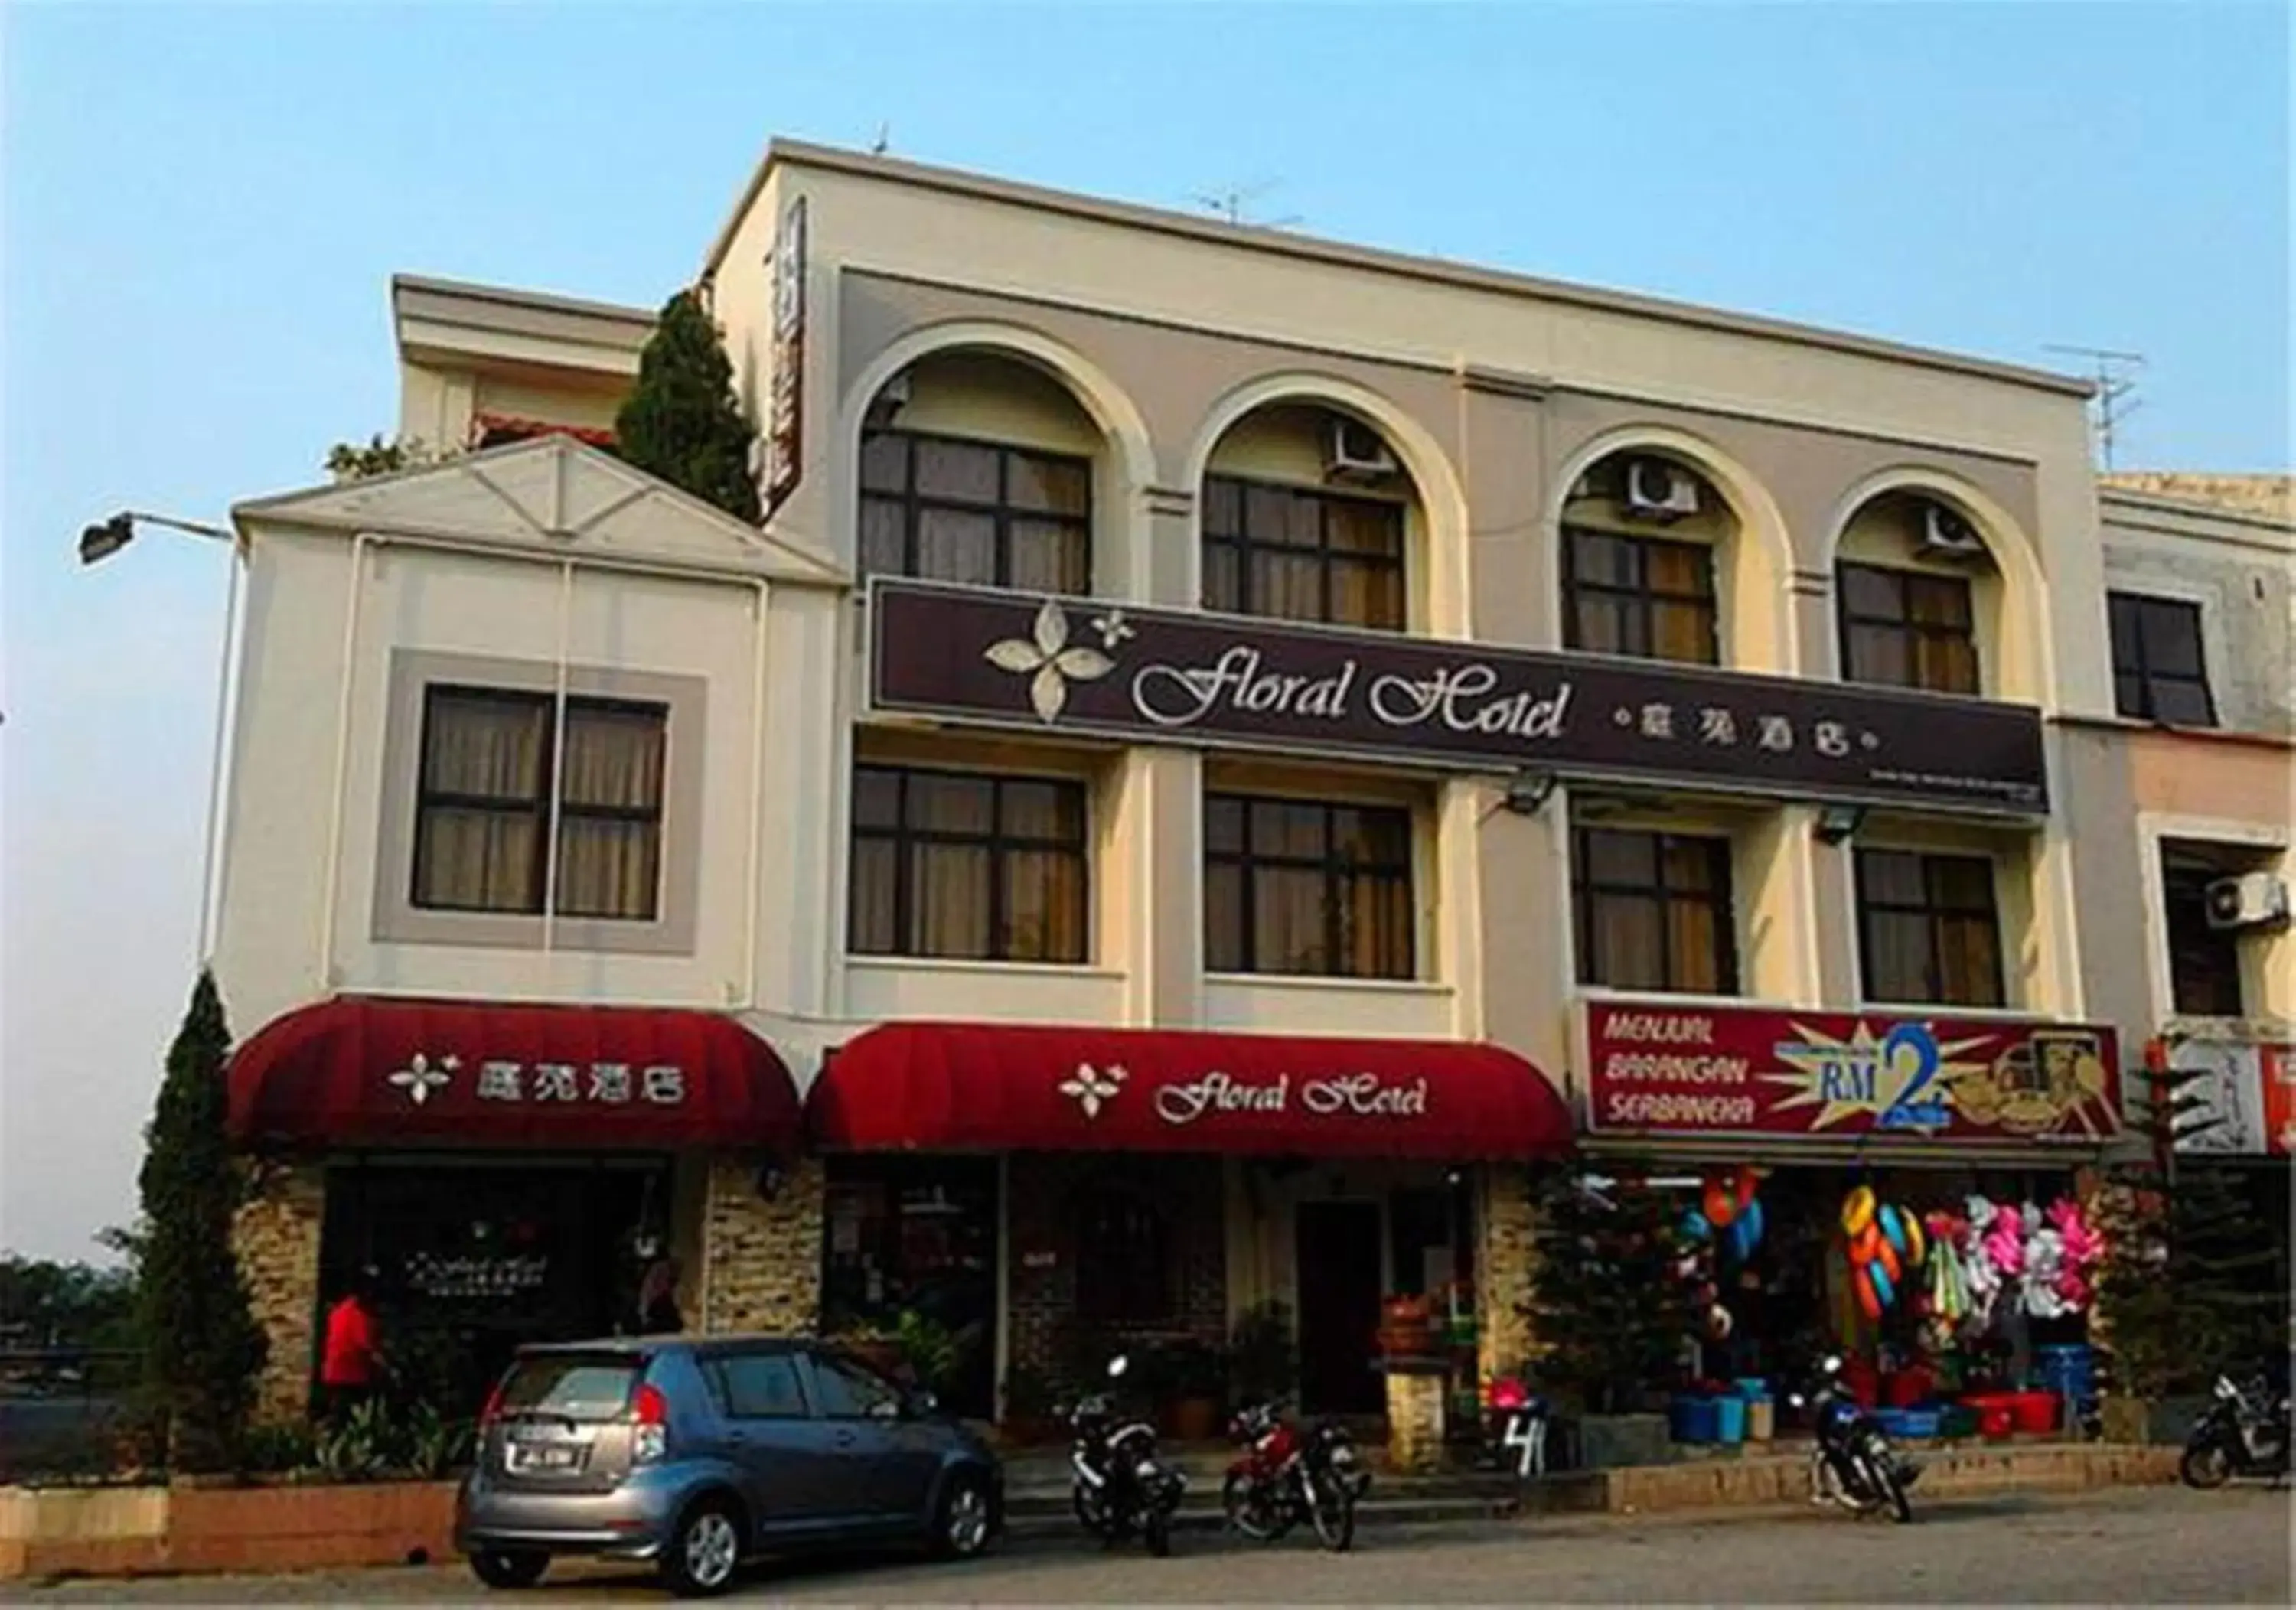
x,y
1040,1524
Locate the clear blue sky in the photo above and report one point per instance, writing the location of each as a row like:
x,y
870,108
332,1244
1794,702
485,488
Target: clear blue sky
x,y
203,204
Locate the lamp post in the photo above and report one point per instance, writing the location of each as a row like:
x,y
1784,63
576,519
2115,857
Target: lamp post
x,y
98,542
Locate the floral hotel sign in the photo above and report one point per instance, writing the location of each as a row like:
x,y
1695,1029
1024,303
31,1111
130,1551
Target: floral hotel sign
x,y
1655,1069
1174,676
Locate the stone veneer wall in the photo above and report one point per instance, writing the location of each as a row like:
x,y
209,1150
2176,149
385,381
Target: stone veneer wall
x,y
276,1236
1504,1265
1045,1249
761,1259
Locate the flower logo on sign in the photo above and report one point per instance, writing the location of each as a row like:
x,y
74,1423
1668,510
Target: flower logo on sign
x,y
1051,662
420,1076
1091,1088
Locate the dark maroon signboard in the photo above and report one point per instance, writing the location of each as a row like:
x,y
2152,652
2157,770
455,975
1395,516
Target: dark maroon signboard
x,y
1175,676
1654,1068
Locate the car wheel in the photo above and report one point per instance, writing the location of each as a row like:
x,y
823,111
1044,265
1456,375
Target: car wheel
x,y
961,1528
509,1567
703,1551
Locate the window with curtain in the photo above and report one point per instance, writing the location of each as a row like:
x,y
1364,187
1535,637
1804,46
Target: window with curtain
x,y
1653,911
976,867
2158,670
1123,1262
1928,928
496,780
1639,595
1298,885
1908,629
960,511
1302,553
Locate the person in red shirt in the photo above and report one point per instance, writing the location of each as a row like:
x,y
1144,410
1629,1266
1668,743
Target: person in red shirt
x,y
350,1357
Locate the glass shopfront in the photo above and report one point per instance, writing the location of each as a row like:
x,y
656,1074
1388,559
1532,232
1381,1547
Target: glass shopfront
x,y
917,1235
475,1256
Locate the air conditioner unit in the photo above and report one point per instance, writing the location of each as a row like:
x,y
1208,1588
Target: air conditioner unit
x,y
1354,452
1660,490
2252,900
1946,535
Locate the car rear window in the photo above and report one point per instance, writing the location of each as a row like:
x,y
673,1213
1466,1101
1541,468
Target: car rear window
x,y
582,1386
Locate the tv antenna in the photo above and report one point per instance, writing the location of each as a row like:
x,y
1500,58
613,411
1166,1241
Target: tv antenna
x,y
1234,202
883,142
2114,373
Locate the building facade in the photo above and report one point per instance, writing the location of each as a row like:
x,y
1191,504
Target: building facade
x,y
1224,749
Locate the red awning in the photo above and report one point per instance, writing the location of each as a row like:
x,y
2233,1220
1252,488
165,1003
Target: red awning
x,y
353,1071
995,1087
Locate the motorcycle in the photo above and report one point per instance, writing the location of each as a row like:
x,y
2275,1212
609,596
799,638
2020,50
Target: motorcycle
x,y
1284,1478
1515,1421
1119,1484
2244,1432
1851,1462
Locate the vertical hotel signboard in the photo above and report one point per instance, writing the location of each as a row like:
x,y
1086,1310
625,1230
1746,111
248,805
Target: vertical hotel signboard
x,y
785,408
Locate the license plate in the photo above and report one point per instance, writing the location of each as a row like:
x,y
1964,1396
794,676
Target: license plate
x,y
545,1456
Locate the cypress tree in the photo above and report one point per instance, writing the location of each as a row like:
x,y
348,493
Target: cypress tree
x,y
202,1347
1609,1312
681,421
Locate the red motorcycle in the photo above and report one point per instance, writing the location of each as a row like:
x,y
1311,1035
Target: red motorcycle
x,y
1284,1478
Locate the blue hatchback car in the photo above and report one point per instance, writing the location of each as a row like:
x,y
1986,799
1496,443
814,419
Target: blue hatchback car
x,y
696,1453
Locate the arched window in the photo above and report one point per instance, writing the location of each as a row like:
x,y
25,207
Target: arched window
x,y
1640,534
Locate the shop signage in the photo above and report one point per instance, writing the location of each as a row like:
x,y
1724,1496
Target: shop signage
x,y
505,1276
785,401
494,1079
1355,1095
2244,1097
1658,1068
1174,676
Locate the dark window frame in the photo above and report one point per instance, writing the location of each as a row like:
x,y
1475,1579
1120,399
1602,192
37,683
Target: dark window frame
x,y
2134,678
1003,510
1106,1294
1587,893
997,842
2205,972
1244,544
1337,871
1938,911
1640,595
548,808
1902,624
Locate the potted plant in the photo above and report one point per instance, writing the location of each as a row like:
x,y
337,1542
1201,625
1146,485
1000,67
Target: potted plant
x,y
1263,1355
1196,1373
1407,1325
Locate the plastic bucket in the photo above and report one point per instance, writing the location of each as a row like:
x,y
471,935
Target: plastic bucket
x,y
1694,1420
2034,1412
1752,1387
1761,1420
1730,1419
1996,1425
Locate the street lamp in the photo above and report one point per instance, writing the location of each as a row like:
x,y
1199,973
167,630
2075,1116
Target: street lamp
x,y
98,542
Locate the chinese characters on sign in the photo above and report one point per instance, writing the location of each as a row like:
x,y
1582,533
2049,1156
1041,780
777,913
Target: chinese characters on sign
x,y
606,1083
1658,1068
2243,1098
1011,659
786,404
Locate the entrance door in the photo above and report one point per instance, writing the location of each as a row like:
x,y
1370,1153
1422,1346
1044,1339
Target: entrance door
x,y
1337,1261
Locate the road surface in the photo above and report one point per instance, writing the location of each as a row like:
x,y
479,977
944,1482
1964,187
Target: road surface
x,y
2155,1545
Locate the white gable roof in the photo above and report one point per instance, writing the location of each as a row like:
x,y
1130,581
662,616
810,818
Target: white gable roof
x,y
554,495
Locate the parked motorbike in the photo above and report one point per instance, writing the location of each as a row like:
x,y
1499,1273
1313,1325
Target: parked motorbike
x,y
1284,1478
1852,1462
2244,1432
1515,1423
1120,1483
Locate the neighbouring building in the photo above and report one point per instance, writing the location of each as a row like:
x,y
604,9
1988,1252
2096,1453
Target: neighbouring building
x,y
1225,749
2198,960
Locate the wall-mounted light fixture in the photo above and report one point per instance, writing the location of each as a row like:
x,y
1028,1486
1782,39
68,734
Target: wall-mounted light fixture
x,y
1528,791
770,1178
1838,823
